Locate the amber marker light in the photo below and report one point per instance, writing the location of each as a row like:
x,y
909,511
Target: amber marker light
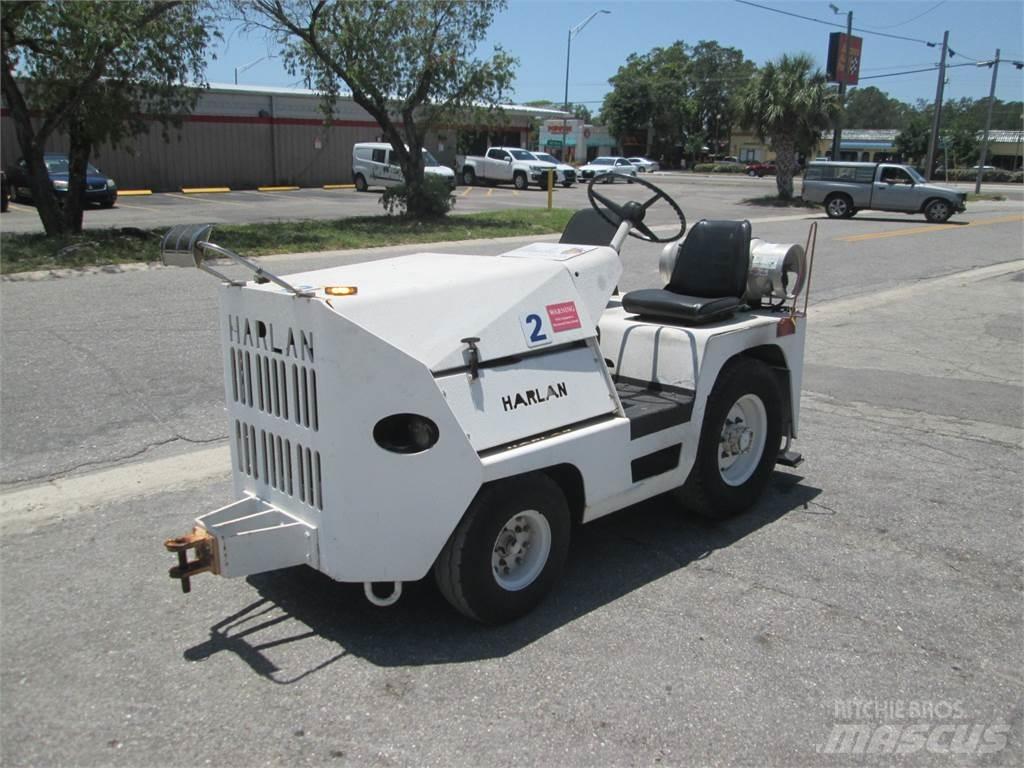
x,y
341,290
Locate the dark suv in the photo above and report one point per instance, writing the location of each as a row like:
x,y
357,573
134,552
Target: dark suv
x,y
98,187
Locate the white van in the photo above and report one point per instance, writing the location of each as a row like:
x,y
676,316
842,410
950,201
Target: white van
x,y
374,166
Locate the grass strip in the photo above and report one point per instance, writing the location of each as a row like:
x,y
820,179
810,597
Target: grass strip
x,y
96,247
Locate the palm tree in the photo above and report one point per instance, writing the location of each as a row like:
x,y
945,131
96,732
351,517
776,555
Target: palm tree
x,y
788,104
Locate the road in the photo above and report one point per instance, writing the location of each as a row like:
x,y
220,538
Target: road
x,y
887,568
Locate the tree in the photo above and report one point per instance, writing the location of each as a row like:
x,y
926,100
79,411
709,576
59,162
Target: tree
x,y
912,142
871,108
684,95
408,64
99,71
789,104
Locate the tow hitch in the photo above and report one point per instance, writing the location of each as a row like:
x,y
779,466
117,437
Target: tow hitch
x,y
202,542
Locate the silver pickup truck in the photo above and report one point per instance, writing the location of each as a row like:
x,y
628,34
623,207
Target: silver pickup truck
x,y
845,188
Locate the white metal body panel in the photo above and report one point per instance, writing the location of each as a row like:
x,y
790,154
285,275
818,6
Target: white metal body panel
x,y
379,515
529,396
425,304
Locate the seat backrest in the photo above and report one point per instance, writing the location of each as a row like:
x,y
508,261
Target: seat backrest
x,y
586,227
713,260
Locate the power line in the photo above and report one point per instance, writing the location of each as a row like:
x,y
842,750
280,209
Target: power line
x,y
915,18
930,44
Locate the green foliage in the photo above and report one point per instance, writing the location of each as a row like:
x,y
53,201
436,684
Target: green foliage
x,y
99,71
438,198
788,104
871,108
966,174
912,142
409,64
719,168
687,95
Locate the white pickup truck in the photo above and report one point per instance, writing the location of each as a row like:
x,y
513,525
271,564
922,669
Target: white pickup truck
x,y
506,164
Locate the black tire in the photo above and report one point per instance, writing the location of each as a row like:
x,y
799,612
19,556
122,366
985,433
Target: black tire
x,y
5,199
706,491
519,180
464,570
752,173
938,211
107,204
566,184
361,185
838,206
468,177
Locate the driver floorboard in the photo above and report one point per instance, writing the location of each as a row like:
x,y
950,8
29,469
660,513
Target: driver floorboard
x,y
652,407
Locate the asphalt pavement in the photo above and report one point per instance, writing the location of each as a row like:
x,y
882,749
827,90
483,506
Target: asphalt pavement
x,y
877,587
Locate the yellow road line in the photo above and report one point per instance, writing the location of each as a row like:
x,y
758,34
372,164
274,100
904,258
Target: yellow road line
x,y
204,200
933,228
489,192
276,189
515,192
133,192
203,190
339,186
466,191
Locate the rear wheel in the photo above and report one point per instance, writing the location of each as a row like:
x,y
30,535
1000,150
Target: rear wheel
x,y
938,211
738,442
361,185
468,177
508,550
520,181
566,184
838,206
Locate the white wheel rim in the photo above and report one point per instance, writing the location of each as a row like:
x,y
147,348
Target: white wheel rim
x,y
938,210
521,550
741,443
838,207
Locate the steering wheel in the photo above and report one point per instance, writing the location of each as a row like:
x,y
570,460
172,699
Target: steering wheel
x,y
634,212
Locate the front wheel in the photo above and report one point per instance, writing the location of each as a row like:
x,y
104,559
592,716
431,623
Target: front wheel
x,y
938,211
508,550
738,442
361,185
519,181
566,184
468,177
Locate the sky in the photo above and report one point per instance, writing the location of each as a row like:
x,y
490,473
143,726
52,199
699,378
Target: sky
x,y
535,31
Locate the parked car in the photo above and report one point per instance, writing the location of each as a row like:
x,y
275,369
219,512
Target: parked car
x,y
99,188
565,174
845,188
501,165
760,169
644,165
610,167
373,165
5,193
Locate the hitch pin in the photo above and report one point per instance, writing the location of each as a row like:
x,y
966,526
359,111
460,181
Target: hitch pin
x,y
202,542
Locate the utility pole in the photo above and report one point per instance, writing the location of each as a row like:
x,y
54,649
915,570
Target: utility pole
x,y
838,132
573,31
938,108
988,123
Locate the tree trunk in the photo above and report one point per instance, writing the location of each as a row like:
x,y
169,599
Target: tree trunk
x,y
785,165
78,164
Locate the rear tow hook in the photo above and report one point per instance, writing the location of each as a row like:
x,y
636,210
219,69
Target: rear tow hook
x,y
202,542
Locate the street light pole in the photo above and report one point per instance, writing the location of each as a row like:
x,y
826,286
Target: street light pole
x,y
252,64
837,132
937,116
573,31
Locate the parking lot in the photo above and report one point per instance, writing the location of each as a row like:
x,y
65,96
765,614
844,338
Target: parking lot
x,y
881,577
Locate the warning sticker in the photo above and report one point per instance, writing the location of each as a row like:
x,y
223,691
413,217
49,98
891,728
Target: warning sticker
x,y
563,316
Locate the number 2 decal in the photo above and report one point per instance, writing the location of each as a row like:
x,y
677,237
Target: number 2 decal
x,y
537,323
536,328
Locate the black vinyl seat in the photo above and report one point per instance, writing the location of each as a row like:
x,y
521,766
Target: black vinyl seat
x,y
708,280
587,227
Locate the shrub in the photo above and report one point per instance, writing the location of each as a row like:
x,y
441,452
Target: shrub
x,y
719,168
437,199
966,174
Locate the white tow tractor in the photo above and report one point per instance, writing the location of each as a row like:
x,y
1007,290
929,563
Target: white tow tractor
x,y
458,414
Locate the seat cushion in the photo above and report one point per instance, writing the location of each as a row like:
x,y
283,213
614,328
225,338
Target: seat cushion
x,y
668,305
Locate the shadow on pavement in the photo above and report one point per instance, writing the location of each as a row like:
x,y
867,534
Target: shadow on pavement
x,y
609,558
